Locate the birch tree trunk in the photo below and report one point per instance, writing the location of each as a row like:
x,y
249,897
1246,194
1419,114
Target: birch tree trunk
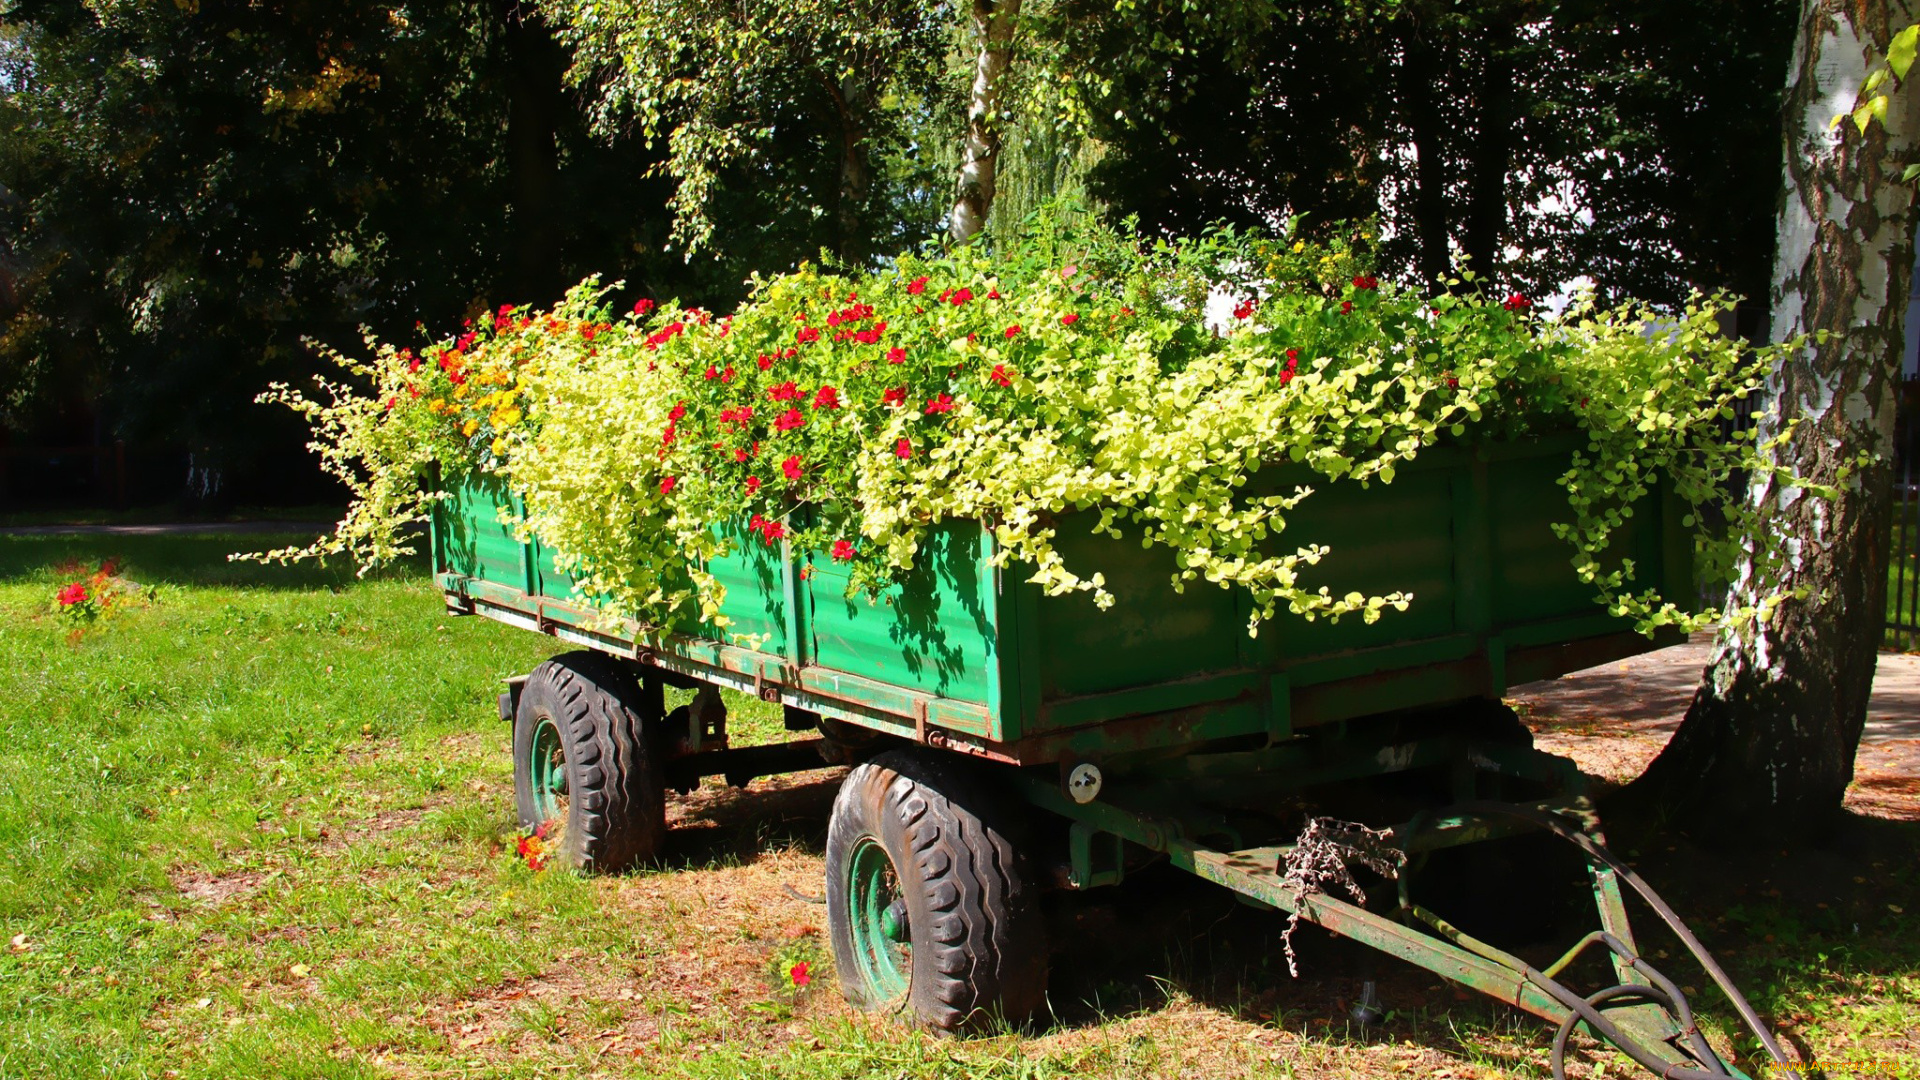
x,y
980,156
1766,750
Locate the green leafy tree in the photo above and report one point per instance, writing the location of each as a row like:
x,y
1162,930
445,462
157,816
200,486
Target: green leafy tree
x,y
197,188
763,95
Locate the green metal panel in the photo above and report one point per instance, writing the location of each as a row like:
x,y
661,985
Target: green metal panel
x,y
757,602
1152,634
963,647
933,632
473,541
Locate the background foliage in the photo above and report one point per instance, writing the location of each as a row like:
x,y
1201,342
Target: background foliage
x,y
187,190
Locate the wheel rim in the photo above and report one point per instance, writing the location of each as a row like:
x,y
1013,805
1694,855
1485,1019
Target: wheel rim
x,y
549,771
882,948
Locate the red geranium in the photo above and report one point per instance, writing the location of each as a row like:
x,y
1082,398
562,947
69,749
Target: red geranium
x,y
789,420
826,398
896,355
896,395
999,376
843,551
939,404
903,449
791,467
75,593
917,285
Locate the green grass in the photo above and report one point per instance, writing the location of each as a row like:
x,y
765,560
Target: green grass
x,y
260,827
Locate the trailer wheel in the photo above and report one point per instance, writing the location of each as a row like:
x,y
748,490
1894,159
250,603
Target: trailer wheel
x,y
586,759
926,905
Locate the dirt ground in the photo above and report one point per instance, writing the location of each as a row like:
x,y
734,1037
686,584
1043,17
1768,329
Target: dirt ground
x,y
1615,718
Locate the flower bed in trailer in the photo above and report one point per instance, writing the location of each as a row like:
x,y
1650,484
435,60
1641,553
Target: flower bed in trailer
x,y
846,413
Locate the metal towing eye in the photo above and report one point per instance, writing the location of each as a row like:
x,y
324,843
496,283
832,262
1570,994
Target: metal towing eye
x,y
1658,990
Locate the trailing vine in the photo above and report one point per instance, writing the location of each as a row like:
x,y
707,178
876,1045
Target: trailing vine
x,y
845,413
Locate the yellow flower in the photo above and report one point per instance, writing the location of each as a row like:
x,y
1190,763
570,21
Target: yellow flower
x,y
469,428
499,446
504,417
1299,246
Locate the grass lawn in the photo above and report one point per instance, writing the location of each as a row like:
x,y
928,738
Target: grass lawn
x,y
263,827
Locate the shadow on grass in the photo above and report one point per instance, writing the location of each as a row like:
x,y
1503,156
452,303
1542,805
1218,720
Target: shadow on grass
x,y
198,561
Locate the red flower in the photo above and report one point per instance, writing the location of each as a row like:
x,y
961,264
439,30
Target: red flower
x,y
680,410
843,551
1069,318
903,449
1362,281
1293,357
789,420
753,486
1012,330
1346,307
75,593
786,391
1517,302
666,437
917,285
764,361
806,334
1244,311
895,395
712,372
999,376
791,467
798,973
666,485
391,402
939,404
587,332
961,296
740,455
827,398
993,294
896,355
456,377
642,306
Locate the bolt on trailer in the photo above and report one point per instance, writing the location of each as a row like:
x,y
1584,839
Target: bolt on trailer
x,y
1005,742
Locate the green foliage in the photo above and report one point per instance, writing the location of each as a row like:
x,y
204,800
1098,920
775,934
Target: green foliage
x,y
725,86
846,414
1634,144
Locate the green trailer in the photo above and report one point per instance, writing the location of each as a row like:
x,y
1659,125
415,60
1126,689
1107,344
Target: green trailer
x,y
1005,742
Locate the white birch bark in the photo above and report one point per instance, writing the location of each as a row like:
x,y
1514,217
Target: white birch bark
x,y
980,155
1767,747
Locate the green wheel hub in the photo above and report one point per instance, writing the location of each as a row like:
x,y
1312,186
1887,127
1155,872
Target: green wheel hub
x,y
882,947
548,769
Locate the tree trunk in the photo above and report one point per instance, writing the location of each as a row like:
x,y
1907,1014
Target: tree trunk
x,y
1419,76
980,158
1766,750
536,66
853,103
1486,217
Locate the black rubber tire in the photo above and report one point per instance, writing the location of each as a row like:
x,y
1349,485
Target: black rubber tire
x,y
616,805
977,933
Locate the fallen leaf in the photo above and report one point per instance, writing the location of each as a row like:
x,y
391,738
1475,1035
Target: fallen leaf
x,y
20,943
298,971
